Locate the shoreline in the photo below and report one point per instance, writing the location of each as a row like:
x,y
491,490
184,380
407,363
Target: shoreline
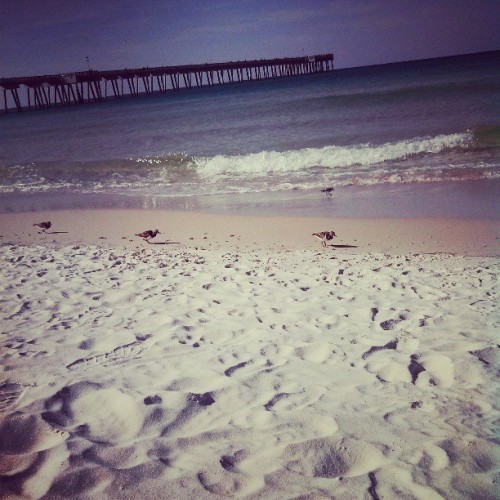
x,y
447,199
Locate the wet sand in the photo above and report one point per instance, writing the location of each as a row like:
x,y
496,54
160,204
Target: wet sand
x,y
214,231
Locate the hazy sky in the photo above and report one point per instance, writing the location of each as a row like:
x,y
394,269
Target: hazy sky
x,y
53,36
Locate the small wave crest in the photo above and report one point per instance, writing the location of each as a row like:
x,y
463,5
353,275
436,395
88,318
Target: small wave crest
x,y
328,157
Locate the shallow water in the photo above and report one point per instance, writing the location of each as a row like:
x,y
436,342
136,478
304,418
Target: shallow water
x,y
459,200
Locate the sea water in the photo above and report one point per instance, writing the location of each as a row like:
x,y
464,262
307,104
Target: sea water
x,y
376,132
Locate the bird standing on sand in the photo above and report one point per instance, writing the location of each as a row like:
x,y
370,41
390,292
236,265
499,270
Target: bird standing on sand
x,y
150,233
325,236
44,225
328,191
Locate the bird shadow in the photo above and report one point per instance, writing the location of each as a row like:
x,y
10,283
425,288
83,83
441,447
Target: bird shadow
x,y
56,232
165,243
344,246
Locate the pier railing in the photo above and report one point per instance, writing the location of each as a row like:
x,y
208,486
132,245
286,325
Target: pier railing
x,y
42,92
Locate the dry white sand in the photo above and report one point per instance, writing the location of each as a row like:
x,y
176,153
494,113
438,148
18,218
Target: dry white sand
x,y
220,367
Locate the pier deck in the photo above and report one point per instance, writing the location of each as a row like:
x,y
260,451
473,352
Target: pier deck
x,y
43,92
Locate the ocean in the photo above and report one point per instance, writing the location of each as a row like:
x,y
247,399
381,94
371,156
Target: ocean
x,y
380,136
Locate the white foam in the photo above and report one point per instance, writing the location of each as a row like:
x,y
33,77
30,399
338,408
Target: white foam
x,y
330,157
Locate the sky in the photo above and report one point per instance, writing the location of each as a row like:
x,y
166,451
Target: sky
x,y
39,37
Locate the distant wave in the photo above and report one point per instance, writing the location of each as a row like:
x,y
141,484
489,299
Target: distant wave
x,y
395,94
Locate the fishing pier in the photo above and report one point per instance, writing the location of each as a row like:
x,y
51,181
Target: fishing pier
x,y
43,92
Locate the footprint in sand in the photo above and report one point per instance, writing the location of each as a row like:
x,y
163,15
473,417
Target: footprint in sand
x,y
439,371
123,353
194,404
286,402
471,455
10,393
21,434
393,344
116,457
415,368
389,324
100,414
32,455
317,352
433,458
333,457
388,368
231,462
20,348
224,483
489,356
230,371
188,340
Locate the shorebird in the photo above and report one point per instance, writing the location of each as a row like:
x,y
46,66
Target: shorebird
x,y
328,191
325,236
44,225
150,233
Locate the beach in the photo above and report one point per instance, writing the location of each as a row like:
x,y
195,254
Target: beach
x,y
237,357
234,355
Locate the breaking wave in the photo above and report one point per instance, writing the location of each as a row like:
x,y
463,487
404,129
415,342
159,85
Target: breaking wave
x,y
329,157
470,155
